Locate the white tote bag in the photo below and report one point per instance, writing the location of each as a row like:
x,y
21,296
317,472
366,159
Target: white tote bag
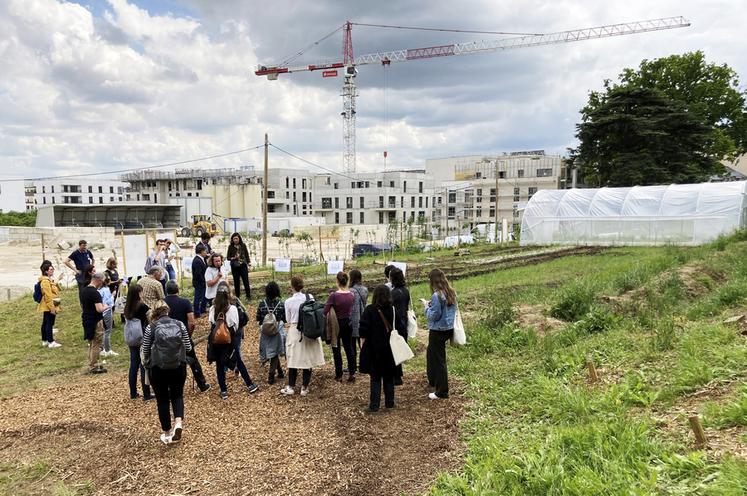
x,y
400,349
412,323
459,338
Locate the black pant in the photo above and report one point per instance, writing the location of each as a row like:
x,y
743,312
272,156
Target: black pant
x,y
169,388
375,398
293,375
194,364
81,285
47,325
438,377
275,367
241,274
345,341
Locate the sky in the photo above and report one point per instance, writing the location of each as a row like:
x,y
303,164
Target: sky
x,y
102,85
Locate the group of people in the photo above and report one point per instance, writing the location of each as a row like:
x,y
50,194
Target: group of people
x,y
164,323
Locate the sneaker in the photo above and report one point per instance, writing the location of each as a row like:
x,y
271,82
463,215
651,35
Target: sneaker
x,y
253,388
351,378
45,343
165,439
270,380
224,395
203,387
98,370
368,409
287,391
177,432
103,353
433,396
149,398
398,381
112,353
54,344
281,374
304,391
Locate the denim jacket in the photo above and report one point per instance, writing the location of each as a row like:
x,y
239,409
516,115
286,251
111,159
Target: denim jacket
x,y
440,316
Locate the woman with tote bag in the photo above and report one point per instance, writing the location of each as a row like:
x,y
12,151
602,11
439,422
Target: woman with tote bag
x,y
376,325
441,312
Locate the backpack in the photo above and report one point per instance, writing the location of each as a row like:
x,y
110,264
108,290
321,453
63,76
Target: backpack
x,y
243,317
167,351
37,292
221,334
133,332
311,319
269,325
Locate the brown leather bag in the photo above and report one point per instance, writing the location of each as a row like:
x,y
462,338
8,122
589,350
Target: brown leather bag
x,y
221,334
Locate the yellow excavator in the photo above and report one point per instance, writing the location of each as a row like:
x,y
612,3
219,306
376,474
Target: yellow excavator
x,y
203,224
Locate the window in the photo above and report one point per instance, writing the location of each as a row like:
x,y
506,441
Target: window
x,y
337,217
381,202
44,187
294,196
101,199
544,172
531,193
90,189
199,184
479,195
492,212
295,209
53,199
287,182
426,202
90,199
401,202
391,184
52,189
404,186
309,196
146,197
337,185
303,196
368,184
111,189
352,184
294,183
44,200
361,217
189,194
379,184
501,174
412,202
452,210
349,204
101,189
516,194
111,198
478,212
452,197
337,202
326,202
516,211
420,202
270,194
520,173
420,187
404,216
492,195
421,216
349,217
287,195
361,202
381,217
303,183
392,202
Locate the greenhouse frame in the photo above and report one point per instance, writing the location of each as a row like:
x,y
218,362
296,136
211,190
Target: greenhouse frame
x,y
681,214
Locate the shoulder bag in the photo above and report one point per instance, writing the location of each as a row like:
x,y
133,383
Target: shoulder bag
x,y
400,349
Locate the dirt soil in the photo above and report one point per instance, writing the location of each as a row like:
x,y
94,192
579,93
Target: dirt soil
x,y
534,316
263,443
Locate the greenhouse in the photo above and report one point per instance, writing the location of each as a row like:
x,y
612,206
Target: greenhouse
x,y
682,214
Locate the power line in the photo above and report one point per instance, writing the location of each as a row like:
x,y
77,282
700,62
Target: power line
x,y
446,30
134,169
311,163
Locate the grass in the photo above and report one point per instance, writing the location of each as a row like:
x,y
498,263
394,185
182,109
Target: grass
x,y
32,479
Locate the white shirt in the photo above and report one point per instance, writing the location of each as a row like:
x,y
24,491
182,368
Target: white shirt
x,y
292,305
232,317
210,274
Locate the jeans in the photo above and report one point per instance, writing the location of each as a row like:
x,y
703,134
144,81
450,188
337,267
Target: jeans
x,y
171,272
241,274
220,367
168,385
47,325
375,397
200,303
194,364
293,375
95,345
136,364
108,324
438,377
345,341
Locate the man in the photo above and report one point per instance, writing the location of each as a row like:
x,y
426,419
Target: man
x,y
152,294
92,318
170,252
206,243
181,309
199,266
78,261
157,258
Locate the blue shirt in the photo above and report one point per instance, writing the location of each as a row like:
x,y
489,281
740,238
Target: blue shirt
x,y
440,315
81,259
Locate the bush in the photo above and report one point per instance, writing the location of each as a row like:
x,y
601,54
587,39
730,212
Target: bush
x,y
499,315
575,301
22,219
596,321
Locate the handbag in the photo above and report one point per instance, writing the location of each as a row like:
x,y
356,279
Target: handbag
x,y
120,302
458,338
221,334
400,349
412,323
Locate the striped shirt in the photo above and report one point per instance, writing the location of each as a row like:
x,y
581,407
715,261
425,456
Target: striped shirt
x,y
148,336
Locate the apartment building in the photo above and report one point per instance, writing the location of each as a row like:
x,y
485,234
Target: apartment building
x,y
374,197
77,191
467,195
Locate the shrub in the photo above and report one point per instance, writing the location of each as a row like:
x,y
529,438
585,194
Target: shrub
x,y
664,335
499,314
575,301
596,321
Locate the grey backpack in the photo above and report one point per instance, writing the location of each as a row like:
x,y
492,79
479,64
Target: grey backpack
x,y
133,332
270,323
167,350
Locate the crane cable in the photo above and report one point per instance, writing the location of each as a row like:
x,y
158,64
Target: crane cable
x,y
307,48
446,30
386,113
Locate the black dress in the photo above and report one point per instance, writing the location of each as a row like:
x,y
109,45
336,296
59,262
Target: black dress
x,y
376,354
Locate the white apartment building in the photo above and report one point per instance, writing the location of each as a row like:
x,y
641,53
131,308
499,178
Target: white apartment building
x,y
467,196
78,191
374,197
12,196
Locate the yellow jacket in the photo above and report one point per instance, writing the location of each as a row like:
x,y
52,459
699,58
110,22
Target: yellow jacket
x,y
50,290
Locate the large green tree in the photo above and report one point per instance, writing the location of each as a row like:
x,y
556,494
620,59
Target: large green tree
x,y
700,92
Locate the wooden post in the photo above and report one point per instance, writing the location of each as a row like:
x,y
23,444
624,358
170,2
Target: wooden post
x,y
701,441
124,255
264,207
44,251
321,255
593,377
8,294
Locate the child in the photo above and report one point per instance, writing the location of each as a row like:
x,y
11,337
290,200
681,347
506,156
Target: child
x,y
108,300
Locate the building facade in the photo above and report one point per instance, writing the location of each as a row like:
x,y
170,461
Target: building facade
x,y
77,191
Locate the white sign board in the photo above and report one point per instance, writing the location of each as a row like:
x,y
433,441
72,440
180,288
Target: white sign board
x,y
135,254
187,264
282,265
335,266
400,265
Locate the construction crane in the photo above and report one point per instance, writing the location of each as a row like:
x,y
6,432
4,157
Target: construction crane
x,y
349,62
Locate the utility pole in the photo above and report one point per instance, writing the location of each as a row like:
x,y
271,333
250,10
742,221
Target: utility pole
x,y
264,207
496,202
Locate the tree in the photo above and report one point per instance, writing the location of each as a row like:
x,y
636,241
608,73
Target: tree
x,y
12,218
636,136
704,96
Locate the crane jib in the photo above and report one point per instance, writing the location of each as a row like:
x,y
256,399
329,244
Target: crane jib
x,y
428,52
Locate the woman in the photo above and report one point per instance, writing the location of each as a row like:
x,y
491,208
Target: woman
x,y
376,354
136,309
115,283
221,353
107,299
301,352
400,302
360,295
168,368
440,312
49,304
88,274
214,274
342,301
238,255
272,347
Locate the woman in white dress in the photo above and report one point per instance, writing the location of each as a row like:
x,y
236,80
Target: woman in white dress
x,y
301,352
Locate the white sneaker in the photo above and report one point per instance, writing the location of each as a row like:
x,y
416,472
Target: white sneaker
x,y
177,432
287,391
55,344
103,353
304,391
45,343
165,439
112,353
433,396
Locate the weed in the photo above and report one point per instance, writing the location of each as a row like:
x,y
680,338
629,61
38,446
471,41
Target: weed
x,y
597,320
499,314
664,335
575,301
731,414
634,390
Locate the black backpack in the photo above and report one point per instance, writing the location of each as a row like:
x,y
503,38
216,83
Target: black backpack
x,y
311,319
167,350
37,292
